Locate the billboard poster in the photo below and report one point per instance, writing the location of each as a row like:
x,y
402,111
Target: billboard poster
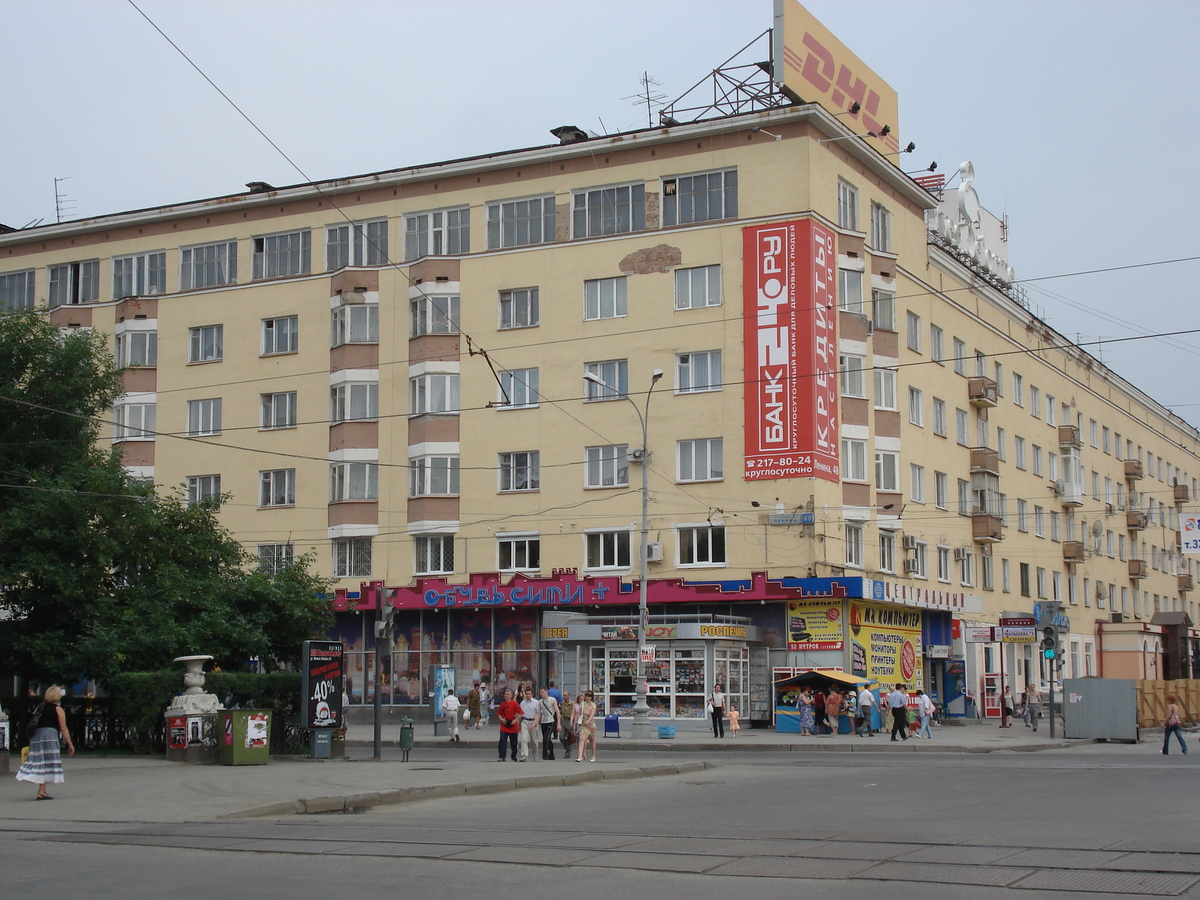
x,y
257,730
789,311
1190,537
322,683
886,643
177,734
815,625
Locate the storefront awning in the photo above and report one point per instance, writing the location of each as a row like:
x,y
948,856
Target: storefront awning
x,y
829,675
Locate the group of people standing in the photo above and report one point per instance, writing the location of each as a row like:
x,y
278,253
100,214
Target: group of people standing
x,y
1029,707
526,723
821,712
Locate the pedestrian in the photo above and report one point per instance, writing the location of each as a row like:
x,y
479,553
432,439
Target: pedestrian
x,y
451,706
716,702
509,713
734,715
487,702
897,702
548,721
819,712
585,722
43,766
924,714
866,707
1006,707
833,709
806,711
1033,706
1172,723
1023,708
529,711
566,715
474,706
555,693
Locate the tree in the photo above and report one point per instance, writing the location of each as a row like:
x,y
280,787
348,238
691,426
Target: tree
x,y
99,572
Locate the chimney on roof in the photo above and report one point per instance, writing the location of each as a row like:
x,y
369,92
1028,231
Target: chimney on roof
x,y
259,187
569,134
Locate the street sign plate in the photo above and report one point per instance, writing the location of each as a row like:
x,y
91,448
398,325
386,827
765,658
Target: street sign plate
x,y
1018,622
1018,635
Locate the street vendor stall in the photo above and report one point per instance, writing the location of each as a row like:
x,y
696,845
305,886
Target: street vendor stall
x,y
787,694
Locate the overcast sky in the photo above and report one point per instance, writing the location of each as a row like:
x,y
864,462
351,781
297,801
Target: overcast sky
x,y
1080,117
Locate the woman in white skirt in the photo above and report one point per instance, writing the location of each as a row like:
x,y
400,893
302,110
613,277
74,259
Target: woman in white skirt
x,y
44,764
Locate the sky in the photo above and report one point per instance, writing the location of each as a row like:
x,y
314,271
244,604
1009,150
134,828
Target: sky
x,y
1080,117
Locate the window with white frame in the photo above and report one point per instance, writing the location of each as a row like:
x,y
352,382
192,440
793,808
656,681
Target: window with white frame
x,y
1052,465
520,223
1035,402
518,552
519,389
920,560
203,489
442,232
697,372
887,470
208,265
1019,451
961,427
998,371
520,471
353,481
1001,452
885,388
701,459
204,417
941,496
916,406
987,572
356,244
960,356
613,384
519,308
274,558
606,549
937,344
887,551
351,557
701,545
914,332
1041,583
137,349
278,410
606,466
1037,460
277,487
433,476
1106,436
77,282
881,228
847,210
354,323
917,481
698,287
1051,410
704,197
280,255
1055,525
17,290
353,401
943,563
280,335
618,209
966,567
140,275
980,364
854,381
434,393
939,417
434,554
965,501
854,460
604,298
206,343
1039,521
133,421
850,291
854,544
433,315
883,310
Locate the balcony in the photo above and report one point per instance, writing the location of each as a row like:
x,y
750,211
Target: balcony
x,y
981,392
1185,583
1133,470
1070,493
985,529
1137,568
985,459
1182,493
1135,520
1068,436
1072,551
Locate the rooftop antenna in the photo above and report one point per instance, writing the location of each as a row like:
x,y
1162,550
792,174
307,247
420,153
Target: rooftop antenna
x,y
649,96
61,201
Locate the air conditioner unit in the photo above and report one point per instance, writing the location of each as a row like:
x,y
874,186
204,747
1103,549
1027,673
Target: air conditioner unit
x,y
654,552
1133,499
910,567
909,543
960,554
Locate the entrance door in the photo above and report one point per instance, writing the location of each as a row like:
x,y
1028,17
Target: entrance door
x,y
991,695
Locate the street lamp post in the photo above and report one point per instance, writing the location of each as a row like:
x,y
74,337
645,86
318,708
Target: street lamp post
x,y
641,709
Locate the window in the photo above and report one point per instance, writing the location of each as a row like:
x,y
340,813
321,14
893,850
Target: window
x,y
1037,460
887,470
881,228
920,560
204,489
204,417
137,348
353,402
937,346
279,410
960,357
700,198
520,471
696,372
854,383
917,479
1039,521
701,459
1041,583
1024,570
133,421
518,553
961,430
883,310
140,275
433,393
854,460
1001,453
520,223
432,475
916,406
444,232
281,335
701,545
850,291
77,282
943,563
885,388
854,545
610,210
987,573
353,481
1055,526
519,308
965,507
519,388
208,265
1022,515
351,557
607,549
980,364
434,554
1005,575
1019,452
914,332
1051,418
607,466
998,371
939,417
1035,402
356,323
205,343
1105,435
966,568
279,255
16,291
614,373
847,206
277,487
360,244
604,298
274,558
697,288
940,497
887,551
1052,465
433,315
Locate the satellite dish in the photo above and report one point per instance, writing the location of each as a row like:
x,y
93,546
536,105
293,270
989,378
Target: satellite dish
x,y
1100,593
1134,499
1097,528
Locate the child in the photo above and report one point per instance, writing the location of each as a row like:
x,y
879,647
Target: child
x,y
732,715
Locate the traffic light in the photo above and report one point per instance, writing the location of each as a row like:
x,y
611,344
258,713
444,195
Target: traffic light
x,y
1049,642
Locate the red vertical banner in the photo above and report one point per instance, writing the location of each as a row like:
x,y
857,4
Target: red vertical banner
x,y
789,297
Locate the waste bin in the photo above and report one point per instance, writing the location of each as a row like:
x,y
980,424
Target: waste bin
x,y
245,737
612,725
406,736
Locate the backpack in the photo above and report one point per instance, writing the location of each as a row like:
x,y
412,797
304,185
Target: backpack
x,y
33,725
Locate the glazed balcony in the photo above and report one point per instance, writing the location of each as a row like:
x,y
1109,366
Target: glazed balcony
x,y
1137,568
1072,551
1133,470
1182,493
985,459
1135,520
981,392
1068,436
1185,583
985,529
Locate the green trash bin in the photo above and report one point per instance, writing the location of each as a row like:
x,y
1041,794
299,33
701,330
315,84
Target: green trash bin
x,y
245,737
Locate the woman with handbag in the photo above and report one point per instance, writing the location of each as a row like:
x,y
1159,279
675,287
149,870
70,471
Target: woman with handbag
x,y
44,765
585,716
1173,723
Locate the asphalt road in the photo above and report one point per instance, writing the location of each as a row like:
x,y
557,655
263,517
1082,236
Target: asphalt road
x,y
1091,820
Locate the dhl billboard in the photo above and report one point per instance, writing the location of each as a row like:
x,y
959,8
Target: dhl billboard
x,y
818,68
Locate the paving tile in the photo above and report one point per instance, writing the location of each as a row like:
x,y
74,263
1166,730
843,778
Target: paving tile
x,y
792,867
274,845
1127,883
386,848
599,841
1054,858
1156,862
956,855
537,856
664,862
933,873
